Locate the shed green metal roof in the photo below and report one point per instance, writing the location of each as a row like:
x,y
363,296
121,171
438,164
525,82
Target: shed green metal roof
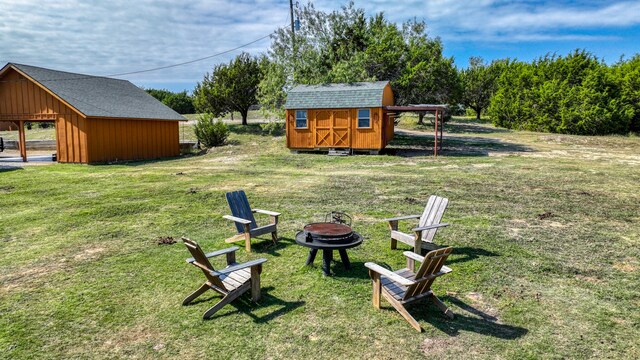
x,y
336,96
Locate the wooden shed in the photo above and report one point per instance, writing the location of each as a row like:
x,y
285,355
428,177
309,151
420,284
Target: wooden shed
x,y
97,119
339,116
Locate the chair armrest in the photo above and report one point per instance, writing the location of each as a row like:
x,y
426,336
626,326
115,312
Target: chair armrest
x,y
237,219
406,217
215,253
429,227
266,212
413,256
391,275
237,267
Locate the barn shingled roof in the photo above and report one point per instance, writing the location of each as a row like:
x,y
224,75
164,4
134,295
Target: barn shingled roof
x,y
336,96
100,96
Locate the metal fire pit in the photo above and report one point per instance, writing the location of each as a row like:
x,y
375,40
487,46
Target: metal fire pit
x,y
328,236
329,233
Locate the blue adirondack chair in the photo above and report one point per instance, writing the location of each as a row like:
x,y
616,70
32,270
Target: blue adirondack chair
x,y
242,216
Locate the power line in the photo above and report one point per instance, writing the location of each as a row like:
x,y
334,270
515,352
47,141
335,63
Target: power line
x,y
191,61
153,69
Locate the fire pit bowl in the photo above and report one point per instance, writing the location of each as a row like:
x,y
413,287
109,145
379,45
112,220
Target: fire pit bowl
x,y
330,233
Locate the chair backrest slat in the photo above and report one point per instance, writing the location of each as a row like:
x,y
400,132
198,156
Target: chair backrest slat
x,y
432,214
431,265
239,205
199,257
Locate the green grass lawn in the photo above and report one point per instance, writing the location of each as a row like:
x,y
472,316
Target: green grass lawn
x,y
82,275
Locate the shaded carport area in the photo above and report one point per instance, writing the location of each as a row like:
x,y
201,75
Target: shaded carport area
x,y
20,120
439,110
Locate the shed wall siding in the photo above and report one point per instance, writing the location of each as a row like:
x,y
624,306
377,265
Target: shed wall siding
x,y
319,119
122,139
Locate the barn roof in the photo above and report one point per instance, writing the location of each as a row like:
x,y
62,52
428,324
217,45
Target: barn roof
x,y
98,96
335,96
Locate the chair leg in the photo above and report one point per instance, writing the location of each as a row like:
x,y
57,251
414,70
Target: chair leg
x,y
442,306
225,300
247,241
255,283
401,309
201,290
377,287
274,237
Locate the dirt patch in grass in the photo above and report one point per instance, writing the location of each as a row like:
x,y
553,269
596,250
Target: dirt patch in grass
x,y
165,240
626,266
546,215
35,273
436,347
142,334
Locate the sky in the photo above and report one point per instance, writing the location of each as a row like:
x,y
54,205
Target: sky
x,y
119,36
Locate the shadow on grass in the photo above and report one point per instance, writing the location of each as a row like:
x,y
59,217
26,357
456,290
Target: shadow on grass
x,y
7,168
471,126
406,144
266,245
468,254
245,306
478,321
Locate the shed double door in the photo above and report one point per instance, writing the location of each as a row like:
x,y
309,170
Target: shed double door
x,y
332,128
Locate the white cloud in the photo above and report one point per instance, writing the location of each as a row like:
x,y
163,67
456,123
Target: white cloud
x,y
107,37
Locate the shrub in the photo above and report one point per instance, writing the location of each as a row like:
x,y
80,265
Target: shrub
x,y
575,94
273,128
45,124
210,132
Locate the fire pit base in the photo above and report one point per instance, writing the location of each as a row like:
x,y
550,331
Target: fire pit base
x,y
327,257
327,247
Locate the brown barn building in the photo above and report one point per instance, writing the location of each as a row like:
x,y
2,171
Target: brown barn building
x,y
339,116
97,119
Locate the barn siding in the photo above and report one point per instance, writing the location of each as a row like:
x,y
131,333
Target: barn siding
x,y
21,97
117,139
82,140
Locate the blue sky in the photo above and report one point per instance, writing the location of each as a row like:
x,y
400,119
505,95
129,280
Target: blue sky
x,y
116,36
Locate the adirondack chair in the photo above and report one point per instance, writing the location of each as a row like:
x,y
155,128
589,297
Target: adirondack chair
x,y
231,282
242,216
427,226
404,286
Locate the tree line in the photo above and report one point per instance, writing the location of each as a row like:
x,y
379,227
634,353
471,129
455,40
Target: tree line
x,y
574,94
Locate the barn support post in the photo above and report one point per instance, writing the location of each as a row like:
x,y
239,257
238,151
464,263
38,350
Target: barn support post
x,y
441,128
435,137
22,141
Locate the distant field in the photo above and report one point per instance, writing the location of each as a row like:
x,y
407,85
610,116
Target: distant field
x,y
544,227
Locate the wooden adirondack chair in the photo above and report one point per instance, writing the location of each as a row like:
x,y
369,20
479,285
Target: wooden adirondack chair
x,y
427,226
242,216
404,286
231,282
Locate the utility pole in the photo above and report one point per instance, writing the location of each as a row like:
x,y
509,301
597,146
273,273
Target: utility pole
x,y
293,41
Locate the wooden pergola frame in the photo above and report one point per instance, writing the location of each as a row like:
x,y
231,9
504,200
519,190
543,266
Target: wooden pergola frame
x,y
439,111
20,119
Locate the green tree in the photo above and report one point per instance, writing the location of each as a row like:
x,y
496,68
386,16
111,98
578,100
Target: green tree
x,y
478,84
180,102
346,46
627,74
574,94
229,88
